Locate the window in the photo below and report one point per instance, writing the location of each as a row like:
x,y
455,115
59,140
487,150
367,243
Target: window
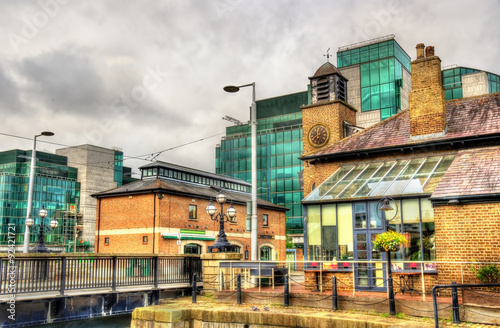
x,y
192,212
106,241
192,249
144,239
265,220
266,253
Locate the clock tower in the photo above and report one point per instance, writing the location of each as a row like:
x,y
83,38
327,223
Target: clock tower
x,y
324,121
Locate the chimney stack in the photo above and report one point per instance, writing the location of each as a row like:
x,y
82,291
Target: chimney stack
x,y
427,98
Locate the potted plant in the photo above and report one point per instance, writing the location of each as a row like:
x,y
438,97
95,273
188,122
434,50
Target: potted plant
x,y
389,241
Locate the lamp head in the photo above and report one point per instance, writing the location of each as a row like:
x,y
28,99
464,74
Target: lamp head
x,y
231,88
387,206
211,209
53,223
42,212
231,212
221,198
47,133
29,221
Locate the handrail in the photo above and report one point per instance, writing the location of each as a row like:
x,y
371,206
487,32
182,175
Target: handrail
x,y
62,273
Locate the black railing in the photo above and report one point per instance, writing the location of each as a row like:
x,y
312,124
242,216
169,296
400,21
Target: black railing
x,y
63,273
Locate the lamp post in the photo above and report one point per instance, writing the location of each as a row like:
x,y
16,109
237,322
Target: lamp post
x,y
42,228
30,189
386,206
253,124
221,244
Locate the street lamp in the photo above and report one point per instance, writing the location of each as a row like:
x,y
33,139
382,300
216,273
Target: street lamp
x,y
253,124
42,228
386,207
30,190
221,244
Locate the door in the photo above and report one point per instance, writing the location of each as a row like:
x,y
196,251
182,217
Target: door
x,y
369,276
367,225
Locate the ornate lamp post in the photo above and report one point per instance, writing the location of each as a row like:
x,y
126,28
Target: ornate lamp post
x,y
221,244
42,228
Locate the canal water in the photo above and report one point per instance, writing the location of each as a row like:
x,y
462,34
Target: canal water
x,y
115,321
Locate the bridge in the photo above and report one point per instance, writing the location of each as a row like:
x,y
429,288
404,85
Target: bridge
x,y
38,288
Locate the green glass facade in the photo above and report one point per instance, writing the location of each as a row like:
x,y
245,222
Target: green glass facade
x,y
55,187
452,81
381,68
279,144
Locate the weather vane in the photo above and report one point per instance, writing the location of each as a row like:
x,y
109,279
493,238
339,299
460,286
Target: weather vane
x,y
327,55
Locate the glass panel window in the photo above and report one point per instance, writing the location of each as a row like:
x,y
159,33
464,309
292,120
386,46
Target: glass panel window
x,y
360,216
265,220
313,233
329,232
411,228
193,212
345,231
428,231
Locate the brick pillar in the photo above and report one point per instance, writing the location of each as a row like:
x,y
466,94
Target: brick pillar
x,y
211,270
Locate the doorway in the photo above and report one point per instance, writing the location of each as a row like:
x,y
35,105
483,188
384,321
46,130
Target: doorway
x,y
367,225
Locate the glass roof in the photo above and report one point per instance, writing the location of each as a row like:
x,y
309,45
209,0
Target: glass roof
x,y
380,179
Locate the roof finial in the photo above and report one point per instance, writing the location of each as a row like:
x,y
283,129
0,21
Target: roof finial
x,y
327,55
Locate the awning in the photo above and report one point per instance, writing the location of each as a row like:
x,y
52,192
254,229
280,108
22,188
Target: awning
x,y
390,178
188,235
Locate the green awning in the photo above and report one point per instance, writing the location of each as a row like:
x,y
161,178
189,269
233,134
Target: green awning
x,y
188,236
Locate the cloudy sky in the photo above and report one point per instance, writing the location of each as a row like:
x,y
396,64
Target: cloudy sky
x,y
147,76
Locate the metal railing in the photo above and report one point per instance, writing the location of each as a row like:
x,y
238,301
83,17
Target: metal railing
x,y
22,275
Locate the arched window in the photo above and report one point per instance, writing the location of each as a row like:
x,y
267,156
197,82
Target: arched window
x,y
192,249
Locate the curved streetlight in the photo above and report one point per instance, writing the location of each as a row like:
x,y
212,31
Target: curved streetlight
x,y
221,244
253,125
30,189
42,228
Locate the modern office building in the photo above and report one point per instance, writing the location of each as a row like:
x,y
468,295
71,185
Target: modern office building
x,y
98,169
378,82
56,187
379,78
461,82
279,144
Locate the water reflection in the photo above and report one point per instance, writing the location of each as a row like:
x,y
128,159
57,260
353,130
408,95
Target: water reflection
x,y
116,321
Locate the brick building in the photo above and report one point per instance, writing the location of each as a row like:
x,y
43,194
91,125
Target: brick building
x,y
438,164
164,212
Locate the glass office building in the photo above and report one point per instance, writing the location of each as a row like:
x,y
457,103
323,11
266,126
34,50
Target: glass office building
x,y
279,145
55,187
379,77
453,81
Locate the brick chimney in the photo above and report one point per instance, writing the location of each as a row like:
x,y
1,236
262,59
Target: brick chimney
x,y
427,98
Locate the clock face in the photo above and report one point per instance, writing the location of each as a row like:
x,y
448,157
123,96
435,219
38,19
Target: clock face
x,y
319,135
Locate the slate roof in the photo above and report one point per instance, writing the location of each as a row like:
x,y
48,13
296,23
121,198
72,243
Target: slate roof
x,y
178,187
466,117
326,69
474,172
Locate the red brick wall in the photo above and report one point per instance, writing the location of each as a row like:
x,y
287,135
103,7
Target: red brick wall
x,y
126,219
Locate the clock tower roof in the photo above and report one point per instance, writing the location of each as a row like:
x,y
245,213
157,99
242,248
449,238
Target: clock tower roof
x,y
326,69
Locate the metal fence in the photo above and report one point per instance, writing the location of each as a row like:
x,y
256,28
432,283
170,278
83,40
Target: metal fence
x,y
63,273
